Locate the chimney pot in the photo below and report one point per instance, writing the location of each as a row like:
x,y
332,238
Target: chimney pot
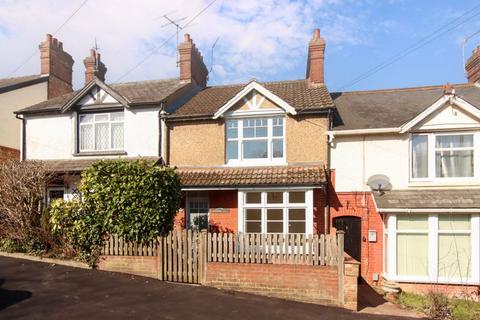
x,y
94,67
57,64
316,59
472,66
192,67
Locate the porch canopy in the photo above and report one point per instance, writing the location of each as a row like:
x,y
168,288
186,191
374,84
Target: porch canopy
x,y
311,175
434,200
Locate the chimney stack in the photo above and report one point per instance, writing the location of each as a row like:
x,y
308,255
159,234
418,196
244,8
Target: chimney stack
x,y
94,67
192,67
316,59
57,64
472,67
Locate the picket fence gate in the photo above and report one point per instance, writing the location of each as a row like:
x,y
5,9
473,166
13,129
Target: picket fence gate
x,y
183,254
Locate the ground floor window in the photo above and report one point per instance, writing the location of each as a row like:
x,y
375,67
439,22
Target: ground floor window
x,y
197,210
276,211
432,247
55,193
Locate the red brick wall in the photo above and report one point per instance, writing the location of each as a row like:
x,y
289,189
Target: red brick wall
x,y
7,153
224,201
140,266
313,284
360,204
223,211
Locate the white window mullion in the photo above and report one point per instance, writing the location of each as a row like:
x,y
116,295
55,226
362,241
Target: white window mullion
x,y
475,240
431,157
241,213
433,247
392,244
309,212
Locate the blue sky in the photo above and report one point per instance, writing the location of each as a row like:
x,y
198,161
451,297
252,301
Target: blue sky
x,y
266,40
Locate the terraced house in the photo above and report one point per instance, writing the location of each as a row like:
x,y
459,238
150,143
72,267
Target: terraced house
x,y
256,158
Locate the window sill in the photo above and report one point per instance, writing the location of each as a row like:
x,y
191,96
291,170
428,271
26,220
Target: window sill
x,y
100,153
445,183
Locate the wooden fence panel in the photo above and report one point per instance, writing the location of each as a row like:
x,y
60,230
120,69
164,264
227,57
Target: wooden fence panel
x,y
183,254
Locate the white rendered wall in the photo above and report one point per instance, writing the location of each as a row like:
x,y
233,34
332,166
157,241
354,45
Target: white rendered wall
x,y
356,158
53,136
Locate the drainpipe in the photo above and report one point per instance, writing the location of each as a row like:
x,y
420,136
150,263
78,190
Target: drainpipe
x,y
23,146
163,134
327,190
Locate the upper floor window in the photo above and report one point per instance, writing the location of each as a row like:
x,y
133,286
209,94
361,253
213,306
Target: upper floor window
x,y
101,131
443,156
255,140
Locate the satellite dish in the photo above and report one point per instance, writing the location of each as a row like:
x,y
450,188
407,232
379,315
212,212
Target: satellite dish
x,y
379,182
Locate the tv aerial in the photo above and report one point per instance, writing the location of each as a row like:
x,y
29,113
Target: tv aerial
x,y
174,22
380,183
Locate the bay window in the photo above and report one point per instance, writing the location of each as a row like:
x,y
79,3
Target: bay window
x,y
100,131
444,156
255,140
276,211
432,248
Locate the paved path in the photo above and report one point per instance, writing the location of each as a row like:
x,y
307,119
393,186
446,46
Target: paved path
x,y
36,290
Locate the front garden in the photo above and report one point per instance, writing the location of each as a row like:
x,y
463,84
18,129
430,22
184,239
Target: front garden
x,y
136,200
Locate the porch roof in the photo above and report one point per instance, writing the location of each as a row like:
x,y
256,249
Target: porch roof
x,y
415,199
78,165
294,175
226,177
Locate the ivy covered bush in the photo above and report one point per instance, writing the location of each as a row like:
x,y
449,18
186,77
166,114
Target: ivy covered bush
x,y
134,199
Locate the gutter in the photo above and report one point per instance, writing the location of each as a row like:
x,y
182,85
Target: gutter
x,y
362,131
23,147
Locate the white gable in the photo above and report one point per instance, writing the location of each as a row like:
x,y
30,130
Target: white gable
x,y
96,95
450,117
448,112
254,99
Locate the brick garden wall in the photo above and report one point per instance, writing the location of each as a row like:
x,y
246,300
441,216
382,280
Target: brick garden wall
x,y
7,153
140,266
305,283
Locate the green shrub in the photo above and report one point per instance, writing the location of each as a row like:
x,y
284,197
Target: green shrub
x,y
136,200
76,227
9,245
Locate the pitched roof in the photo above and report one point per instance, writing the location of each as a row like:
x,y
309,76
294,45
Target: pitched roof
x,y
312,175
78,165
9,84
296,93
392,108
140,92
428,199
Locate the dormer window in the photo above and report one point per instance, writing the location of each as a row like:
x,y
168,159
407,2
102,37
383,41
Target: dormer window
x,y
443,156
101,131
255,140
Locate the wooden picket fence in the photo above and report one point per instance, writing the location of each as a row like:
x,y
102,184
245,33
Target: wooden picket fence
x,y
272,248
183,254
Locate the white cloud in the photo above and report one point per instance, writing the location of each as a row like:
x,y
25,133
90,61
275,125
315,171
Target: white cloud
x,y
257,38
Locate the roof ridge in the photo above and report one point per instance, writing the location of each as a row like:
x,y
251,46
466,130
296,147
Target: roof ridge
x,y
260,82
439,86
143,81
28,76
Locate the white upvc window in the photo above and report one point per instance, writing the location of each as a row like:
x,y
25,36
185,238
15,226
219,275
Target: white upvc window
x,y
255,140
101,131
445,156
434,248
276,211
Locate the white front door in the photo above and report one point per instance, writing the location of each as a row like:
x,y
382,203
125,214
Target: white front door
x,y
197,211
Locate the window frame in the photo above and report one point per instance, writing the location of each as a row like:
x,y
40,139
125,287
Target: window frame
x,y
240,139
285,206
92,123
431,150
390,263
